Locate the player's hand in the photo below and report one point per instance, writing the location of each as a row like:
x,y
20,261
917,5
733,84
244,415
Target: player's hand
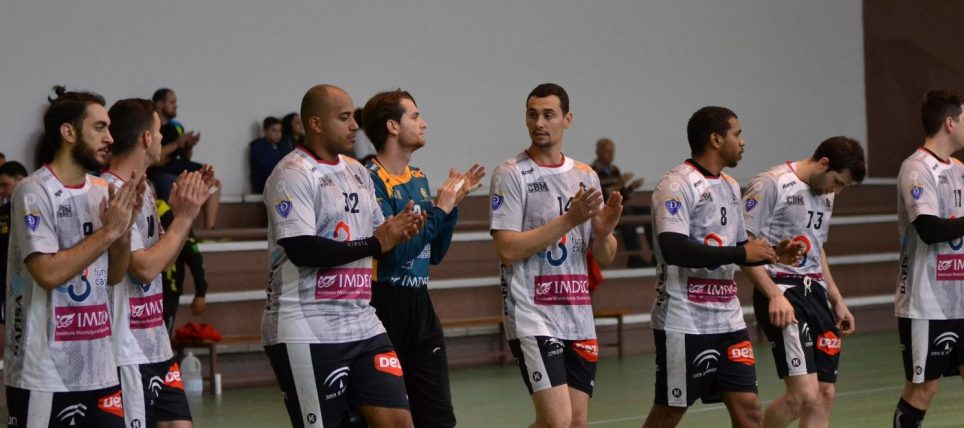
x,y
473,178
117,210
607,218
399,228
845,320
448,195
781,312
188,194
207,175
635,184
790,252
585,204
198,305
758,250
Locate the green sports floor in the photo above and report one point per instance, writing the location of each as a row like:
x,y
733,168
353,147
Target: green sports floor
x,y
870,382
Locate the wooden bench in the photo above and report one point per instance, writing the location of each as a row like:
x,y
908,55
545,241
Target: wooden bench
x,y
212,348
482,322
618,316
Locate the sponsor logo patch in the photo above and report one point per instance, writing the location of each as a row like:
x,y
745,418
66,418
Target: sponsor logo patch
x,y
344,283
750,203
283,207
828,343
496,201
32,220
537,187
562,290
916,192
741,353
587,349
173,377
147,312
388,363
673,206
950,267
707,290
81,322
112,404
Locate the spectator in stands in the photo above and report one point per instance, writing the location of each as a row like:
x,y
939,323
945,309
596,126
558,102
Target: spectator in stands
x,y
363,149
292,132
10,175
176,151
613,180
400,285
264,153
3,158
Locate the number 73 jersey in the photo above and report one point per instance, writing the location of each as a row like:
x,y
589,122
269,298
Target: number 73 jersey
x,y
777,205
930,284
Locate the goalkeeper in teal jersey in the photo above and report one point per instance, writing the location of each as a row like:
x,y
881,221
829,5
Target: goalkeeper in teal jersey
x,y
400,277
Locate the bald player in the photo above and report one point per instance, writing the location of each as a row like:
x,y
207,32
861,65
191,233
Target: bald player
x,y
326,345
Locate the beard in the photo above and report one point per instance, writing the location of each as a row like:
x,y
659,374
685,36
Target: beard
x,y
87,157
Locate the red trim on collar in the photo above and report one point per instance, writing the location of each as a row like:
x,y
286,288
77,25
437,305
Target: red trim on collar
x,y
47,165
316,158
561,162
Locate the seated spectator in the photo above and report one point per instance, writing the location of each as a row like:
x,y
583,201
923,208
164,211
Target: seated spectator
x,y
612,180
264,153
3,158
176,150
10,175
292,132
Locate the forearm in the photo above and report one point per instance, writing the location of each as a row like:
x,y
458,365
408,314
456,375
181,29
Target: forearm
x,y
119,258
442,241
149,262
604,249
679,250
933,229
410,249
833,293
512,246
53,270
318,252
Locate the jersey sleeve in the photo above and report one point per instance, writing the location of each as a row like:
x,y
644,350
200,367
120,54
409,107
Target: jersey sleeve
x,y
918,190
759,201
138,235
289,198
377,217
36,232
671,204
506,200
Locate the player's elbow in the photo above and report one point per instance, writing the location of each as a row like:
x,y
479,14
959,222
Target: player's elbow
x,y
508,254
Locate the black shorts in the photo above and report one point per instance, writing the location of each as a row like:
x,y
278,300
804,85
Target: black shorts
x,y
546,362
324,380
813,344
691,366
931,348
97,408
153,392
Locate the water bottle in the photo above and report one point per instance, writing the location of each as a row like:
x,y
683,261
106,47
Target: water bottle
x,y
191,374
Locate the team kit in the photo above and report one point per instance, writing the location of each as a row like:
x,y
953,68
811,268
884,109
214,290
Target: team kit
x,y
349,328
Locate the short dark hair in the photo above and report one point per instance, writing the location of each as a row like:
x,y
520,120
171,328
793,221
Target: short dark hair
x,y
844,153
547,89
13,169
128,120
381,108
705,122
358,115
936,106
161,94
66,107
269,122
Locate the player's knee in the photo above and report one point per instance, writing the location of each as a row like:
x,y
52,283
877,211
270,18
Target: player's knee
x,y
804,400
665,416
400,420
922,392
827,392
579,420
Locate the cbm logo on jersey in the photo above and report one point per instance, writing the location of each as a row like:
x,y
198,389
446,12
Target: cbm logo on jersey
x,y
558,261
944,344
705,363
794,200
539,186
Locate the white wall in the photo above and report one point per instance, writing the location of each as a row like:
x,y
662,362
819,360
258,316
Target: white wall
x,y
635,70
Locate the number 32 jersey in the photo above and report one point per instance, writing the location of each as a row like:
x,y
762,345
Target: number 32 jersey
x,y
547,293
705,208
306,196
931,278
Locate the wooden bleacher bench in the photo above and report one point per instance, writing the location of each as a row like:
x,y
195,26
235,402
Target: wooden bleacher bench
x,y
212,347
482,322
617,315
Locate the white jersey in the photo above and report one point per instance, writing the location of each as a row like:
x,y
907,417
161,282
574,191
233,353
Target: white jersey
x,y
547,293
931,279
706,209
777,205
57,340
306,196
140,336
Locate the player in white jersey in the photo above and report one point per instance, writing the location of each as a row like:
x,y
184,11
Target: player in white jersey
x,y
930,289
796,199
702,347
546,214
70,241
150,377
325,343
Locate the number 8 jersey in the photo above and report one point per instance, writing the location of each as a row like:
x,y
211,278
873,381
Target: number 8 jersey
x,y
705,208
306,196
931,278
547,293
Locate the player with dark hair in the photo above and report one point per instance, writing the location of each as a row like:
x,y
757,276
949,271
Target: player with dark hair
x,y
324,341
546,214
796,199
400,285
929,303
70,241
149,374
703,350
